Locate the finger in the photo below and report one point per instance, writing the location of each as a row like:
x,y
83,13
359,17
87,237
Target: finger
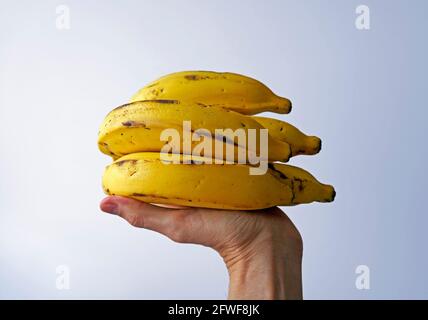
x,y
176,224
137,213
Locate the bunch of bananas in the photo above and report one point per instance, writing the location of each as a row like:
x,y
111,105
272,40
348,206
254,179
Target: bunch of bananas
x,y
132,135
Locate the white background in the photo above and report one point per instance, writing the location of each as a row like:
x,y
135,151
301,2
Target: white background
x,y
362,92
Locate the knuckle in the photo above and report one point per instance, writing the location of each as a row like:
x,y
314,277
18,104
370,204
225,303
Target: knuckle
x,y
180,218
178,230
179,235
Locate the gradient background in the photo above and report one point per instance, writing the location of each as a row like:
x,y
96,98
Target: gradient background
x,y
362,92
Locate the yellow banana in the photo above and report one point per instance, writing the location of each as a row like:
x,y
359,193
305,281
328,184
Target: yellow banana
x,y
145,177
299,142
228,90
137,127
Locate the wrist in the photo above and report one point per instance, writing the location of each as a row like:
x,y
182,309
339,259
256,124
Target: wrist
x,y
267,268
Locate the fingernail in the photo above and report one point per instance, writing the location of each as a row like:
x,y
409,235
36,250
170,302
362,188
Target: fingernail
x,y
110,207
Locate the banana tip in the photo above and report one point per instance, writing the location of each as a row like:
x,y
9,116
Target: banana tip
x,y
331,192
283,105
290,106
316,144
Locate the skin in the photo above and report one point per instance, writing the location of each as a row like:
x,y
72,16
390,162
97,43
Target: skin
x,y
262,249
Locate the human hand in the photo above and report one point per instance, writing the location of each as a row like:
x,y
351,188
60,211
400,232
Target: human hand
x,y
262,249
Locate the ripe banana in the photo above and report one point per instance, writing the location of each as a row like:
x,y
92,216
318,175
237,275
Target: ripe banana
x,y
144,176
229,90
137,127
299,142
133,134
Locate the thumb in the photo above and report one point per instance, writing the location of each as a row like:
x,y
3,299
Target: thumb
x,y
173,223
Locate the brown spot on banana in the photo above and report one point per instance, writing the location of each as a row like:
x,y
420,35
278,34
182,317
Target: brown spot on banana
x,y
193,77
278,173
196,77
133,124
301,185
164,101
293,193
